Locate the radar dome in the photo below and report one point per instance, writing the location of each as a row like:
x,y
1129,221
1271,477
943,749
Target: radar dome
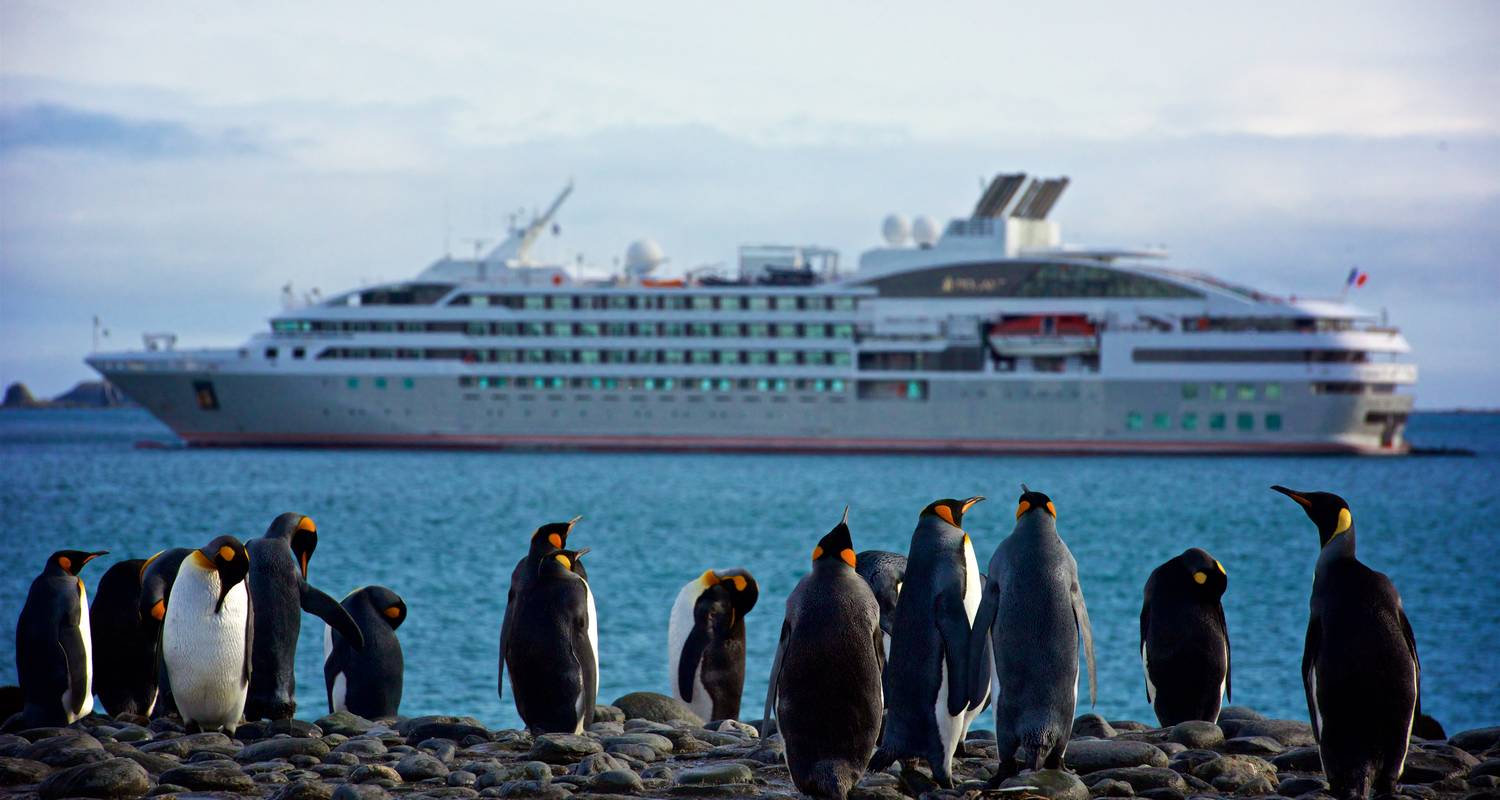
x,y
895,229
924,231
642,256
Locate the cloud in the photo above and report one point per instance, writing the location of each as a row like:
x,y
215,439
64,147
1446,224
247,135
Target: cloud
x,y
60,127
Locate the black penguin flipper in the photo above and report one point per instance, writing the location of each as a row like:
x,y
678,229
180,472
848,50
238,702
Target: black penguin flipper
x,y
505,625
1086,630
954,630
980,642
249,637
1411,644
1309,652
1228,661
765,722
320,605
688,660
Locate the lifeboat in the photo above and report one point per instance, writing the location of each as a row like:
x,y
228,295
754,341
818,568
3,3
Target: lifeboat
x,y
1044,335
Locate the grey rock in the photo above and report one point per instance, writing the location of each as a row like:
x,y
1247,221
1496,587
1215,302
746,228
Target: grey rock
x,y
1196,734
162,725
362,747
536,790
209,775
1485,781
447,793
420,767
49,732
1239,712
265,729
639,752
186,746
1122,725
737,728
604,713
267,749
596,763
1298,759
370,773
1052,783
132,733
327,771
563,748
19,771
441,727
1477,740
66,751
345,723
654,741
168,788
303,790
715,774
1253,745
617,781
441,749
1111,788
606,728
155,763
354,791
1170,748
655,707
1428,767
342,759
1142,778
1163,793
1297,786
114,777
1290,733
1229,773
1490,766
1093,725
771,750
1188,760
207,755
461,777
1091,755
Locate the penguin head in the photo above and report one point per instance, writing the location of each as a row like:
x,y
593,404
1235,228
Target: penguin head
x,y
156,578
1328,511
949,510
227,556
552,536
738,585
300,533
1202,572
387,604
836,546
69,562
558,562
1030,502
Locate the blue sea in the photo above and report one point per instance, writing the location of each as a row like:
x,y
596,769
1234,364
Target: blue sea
x,y
444,529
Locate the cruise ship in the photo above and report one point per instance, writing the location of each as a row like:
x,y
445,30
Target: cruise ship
x,y
988,335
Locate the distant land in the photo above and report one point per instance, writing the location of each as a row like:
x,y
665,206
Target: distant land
x,y
86,394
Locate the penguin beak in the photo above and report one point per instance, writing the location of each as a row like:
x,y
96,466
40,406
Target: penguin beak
x,y
305,556
1302,501
970,503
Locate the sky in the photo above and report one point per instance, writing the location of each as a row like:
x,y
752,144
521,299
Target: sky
x,y
169,167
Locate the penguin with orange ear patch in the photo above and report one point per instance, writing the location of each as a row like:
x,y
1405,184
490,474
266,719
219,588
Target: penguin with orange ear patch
x,y
124,642
706,641
53,659
553,646
366,682
549,537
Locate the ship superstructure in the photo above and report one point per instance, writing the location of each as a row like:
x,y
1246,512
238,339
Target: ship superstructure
x,y
987,336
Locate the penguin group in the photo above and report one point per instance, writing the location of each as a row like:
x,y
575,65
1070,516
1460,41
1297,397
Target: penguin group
x,y
923,642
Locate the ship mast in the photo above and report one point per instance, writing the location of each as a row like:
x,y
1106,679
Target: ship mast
x,y
516,246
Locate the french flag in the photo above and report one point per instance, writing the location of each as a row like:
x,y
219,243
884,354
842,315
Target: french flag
x,y
1357,278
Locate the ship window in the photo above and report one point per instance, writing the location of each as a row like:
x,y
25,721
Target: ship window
x,y
616,329
755,356
671,356
732,329
725,384
820,385
676,303
1272,392
1134,421
1273,422
1161,421
207,399
786,331
916,390
815,331
560,356
758,303
843,331
784,303
588,356
533,329
588,329
703,357
759,330
504,356
1245,391
671,328
562,329
619,302
785,357
559,302
700,329
1216,422
534,356
729,356
817,357
841,359
837,385
1190,391
647,329
1189,421
408,383
780,384
534,302
270,352
703,303
380,383
353,383
1218,391
1244,421
615,356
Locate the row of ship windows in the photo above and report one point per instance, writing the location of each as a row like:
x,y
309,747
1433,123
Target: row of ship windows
x,y
1220,391
754,330
536,302
833,385
1162,421
780,358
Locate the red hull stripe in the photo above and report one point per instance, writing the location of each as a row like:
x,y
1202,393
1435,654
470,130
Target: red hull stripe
x,y
773,444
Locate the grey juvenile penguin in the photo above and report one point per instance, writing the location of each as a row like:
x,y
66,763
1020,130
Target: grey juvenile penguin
x,y
1359,663
825,680
884,571
53,644
1027,631
280,593
927,699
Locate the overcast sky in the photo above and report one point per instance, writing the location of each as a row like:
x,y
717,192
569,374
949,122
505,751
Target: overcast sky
x,y
170,166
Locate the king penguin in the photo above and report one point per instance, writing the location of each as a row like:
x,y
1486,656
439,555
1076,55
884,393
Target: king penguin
x,y
706,642
554,670
208,635
1184,639
928,708
124,642
157,576
280,592
549,537
1359,664
366,682
825,679
1032,616
884,571
53,645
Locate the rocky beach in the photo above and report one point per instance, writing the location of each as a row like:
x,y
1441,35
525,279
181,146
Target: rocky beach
x,y
648,745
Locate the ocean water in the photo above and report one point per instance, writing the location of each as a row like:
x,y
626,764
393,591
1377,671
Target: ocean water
x,y
444,529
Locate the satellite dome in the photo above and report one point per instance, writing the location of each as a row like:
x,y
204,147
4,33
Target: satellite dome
x,y
642,256
924,231
895,229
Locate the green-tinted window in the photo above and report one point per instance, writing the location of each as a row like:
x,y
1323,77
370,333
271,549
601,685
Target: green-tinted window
x,y
843,331
785,357
676,303
617,302
815,357
588,329
505,328
781,384
505,356
671,356
841,359
380,383
562,329
1190,391
837,385
1134,421
755,356
703,357
646,329
815,331
820,385
617,329
786,331
407,383
1218,391
559,302
534,356
1273,392
700,328
1273,422
703,303
730,329
477,328
671,328
534,302
843,303
1245,391
561,356
1216,422
729,356
706,384
1161,421
758,330
353,383
533,329
915,390
725,384
758,303
1189,421
1244,421
588,356
667,383
763,385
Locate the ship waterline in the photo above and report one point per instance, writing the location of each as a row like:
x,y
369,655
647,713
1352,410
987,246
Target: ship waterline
x,y
993,337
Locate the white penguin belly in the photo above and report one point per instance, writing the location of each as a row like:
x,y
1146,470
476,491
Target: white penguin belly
x,y
204,650
340,692
1151,687
593,631
973,591
88,664
949,727
679,626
